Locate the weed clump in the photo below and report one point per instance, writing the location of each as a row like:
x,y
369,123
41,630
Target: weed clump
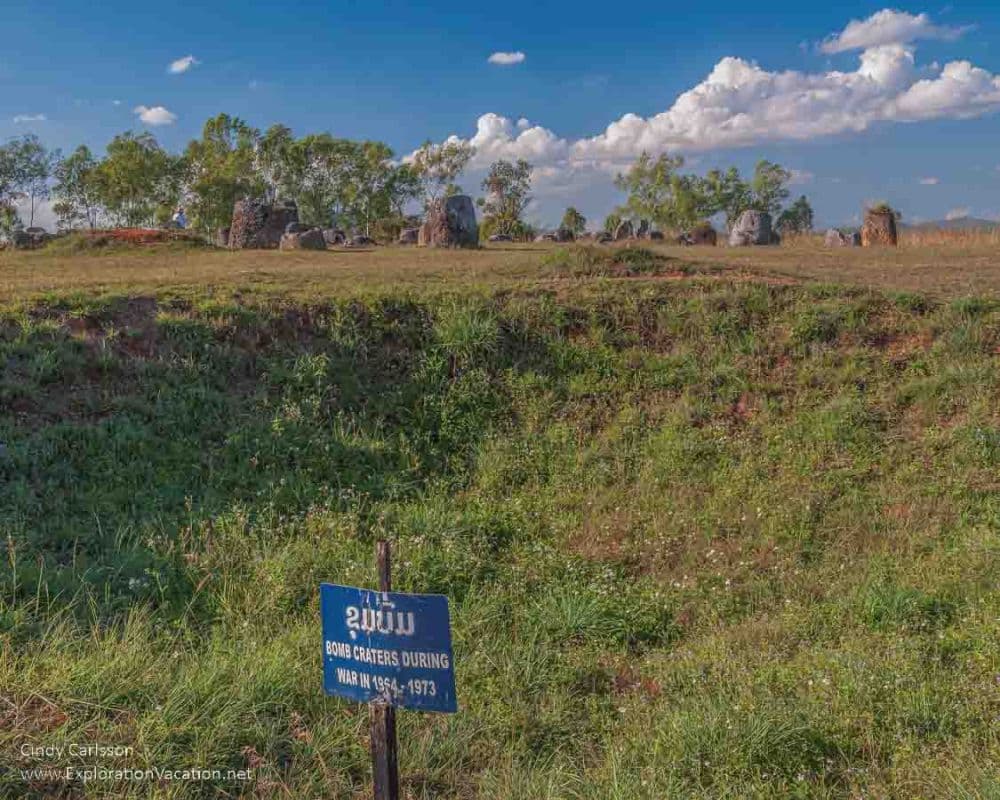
x,y
590,261
123,239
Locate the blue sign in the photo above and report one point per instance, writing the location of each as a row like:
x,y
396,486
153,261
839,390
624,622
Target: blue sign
x,y
388,646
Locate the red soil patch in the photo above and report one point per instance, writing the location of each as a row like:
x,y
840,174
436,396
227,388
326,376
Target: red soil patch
x,y
628,681
131,235
138,236
901,347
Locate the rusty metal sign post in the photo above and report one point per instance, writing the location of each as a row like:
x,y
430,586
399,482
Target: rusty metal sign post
x,y
387,649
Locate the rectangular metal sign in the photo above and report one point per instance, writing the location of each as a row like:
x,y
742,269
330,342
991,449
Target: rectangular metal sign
x,y
388,646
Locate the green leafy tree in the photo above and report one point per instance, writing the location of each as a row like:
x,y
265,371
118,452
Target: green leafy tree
x,y
658,192
138,181
507,186
219,170
375,187
9,189
520,231
612,221
573,221
318,175
33,166
25,170
274,161
797,218
437,167
75,190
726,193
9,219
403,186
769,186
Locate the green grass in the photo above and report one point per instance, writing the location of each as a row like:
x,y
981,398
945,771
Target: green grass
x,y
602,261
74,245
703,538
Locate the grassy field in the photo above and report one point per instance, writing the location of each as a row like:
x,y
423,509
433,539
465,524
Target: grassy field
x,y
714,523
943,268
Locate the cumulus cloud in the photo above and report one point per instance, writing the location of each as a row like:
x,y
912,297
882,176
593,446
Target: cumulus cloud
x,y
21,118
930,181
958,213
506,59
888,27
741,103
182,65
156,115
497,137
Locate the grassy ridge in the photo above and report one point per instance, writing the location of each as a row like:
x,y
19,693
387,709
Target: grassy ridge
x,y
703,538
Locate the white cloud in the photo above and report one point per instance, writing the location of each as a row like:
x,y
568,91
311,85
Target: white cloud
x,y
506,59
930,181
743,104
157,115
497,137
888,27
182,65
20,118
800,176
958,213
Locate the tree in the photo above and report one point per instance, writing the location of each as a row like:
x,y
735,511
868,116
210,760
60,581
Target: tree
x,y
797,218
33,165
437,167
375,188
273,160
25,169
611,222
219,170
726,193
658,192
573,221
9,183
769,186
332,181
76,190
138,181
405,185
507,186
319,170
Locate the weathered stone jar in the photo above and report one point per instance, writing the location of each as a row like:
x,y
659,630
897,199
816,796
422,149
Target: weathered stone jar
x,y
879,228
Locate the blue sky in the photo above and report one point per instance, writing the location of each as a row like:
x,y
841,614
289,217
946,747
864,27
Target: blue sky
x,y
898,105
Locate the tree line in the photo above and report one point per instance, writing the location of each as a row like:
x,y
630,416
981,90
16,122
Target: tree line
x,y
356,185
136,182
658,191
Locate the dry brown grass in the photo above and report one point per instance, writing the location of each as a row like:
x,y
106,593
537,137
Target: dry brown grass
x,y
978,237
300,272
955,263
952,267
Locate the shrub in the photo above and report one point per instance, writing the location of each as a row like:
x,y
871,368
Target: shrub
x,y
583,260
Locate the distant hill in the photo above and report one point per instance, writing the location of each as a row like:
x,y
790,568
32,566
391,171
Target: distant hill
x,y
956,224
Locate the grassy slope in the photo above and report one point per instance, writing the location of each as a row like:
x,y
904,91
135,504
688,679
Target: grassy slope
x,y
704,537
